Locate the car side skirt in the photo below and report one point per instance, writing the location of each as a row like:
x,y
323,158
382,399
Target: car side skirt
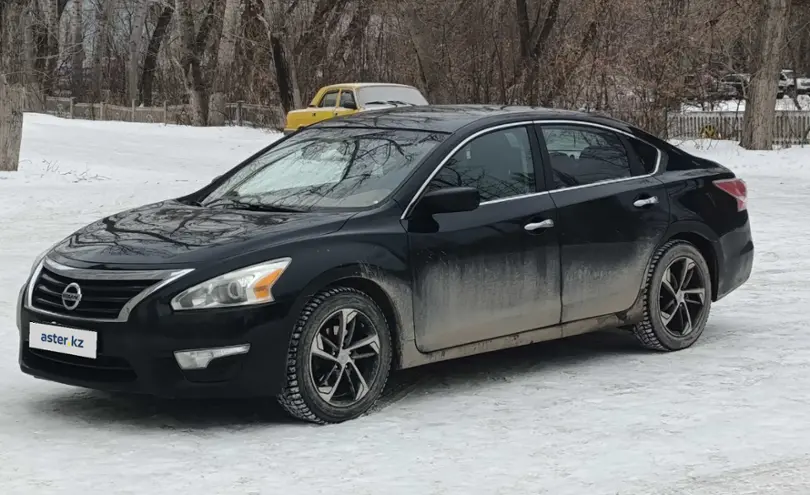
x,y
410,356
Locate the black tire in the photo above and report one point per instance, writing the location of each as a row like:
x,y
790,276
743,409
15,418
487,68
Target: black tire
x,y
651,331
300,396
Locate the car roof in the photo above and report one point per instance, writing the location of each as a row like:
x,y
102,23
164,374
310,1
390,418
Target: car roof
x,y
451,118
356,85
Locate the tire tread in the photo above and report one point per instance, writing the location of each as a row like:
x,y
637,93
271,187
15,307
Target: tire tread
x,y
644,331
290,398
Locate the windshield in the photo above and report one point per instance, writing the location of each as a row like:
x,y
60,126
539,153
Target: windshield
x,y
327,168
384,94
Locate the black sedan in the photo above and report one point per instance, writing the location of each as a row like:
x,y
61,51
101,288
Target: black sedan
x,y
388,240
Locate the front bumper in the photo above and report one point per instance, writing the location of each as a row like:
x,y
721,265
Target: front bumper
x,y
137,356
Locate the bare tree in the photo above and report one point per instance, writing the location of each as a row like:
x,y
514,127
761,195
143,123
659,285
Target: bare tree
x,y
225,60
101,42
276,13
424,44
152,51
190,64
11,91
136,42
631,58
77,49
760,111
193,44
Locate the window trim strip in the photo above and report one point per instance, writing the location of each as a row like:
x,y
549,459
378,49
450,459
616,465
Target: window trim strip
x,y
409,209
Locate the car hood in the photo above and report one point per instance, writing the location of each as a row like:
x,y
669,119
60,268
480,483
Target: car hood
x,y
174,234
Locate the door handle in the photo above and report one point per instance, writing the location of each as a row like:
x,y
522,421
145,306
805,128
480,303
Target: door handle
x,y
640,203
545,224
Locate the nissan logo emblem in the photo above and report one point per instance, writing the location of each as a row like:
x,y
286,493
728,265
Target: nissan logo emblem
x,y
71,296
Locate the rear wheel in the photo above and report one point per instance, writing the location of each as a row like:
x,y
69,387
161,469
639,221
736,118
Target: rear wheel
x,y
339,358
677,298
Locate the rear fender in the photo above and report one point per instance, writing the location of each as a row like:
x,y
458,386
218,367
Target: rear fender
x,y
705,240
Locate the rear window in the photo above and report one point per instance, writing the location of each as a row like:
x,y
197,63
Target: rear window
x,y
390,94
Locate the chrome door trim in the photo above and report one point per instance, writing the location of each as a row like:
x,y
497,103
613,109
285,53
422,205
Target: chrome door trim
x,y
409,209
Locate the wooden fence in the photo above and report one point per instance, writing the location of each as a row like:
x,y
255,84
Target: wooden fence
x,y
791,127
236,114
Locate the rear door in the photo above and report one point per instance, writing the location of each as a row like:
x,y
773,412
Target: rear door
x,y
347,103
493,271
612,214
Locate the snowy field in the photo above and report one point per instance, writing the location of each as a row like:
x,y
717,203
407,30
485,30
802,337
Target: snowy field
x,y
592,415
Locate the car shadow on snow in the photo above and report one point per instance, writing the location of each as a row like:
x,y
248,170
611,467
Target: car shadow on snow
x,y
544,357
197,416
183,415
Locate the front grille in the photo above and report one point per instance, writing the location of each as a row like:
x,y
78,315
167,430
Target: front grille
x,y
101,299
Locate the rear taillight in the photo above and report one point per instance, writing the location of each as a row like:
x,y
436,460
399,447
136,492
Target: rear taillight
x,y
737,189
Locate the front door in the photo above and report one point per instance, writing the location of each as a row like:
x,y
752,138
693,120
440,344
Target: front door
x,y
493,271
612,215
325,108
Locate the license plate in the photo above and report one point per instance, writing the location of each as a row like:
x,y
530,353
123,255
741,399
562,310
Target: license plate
x,y
63,340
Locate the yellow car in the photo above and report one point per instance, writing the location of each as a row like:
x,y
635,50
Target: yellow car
x,y
344,99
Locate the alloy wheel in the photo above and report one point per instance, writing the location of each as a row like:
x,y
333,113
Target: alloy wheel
x,y
682,297
345,357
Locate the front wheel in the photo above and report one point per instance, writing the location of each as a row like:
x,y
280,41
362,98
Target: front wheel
x,y
339,358
677,298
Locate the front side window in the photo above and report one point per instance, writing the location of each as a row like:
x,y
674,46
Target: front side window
x,y
581,155
499,164
329,99
327,168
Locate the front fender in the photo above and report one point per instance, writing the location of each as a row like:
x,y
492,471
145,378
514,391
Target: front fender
x,y
355,264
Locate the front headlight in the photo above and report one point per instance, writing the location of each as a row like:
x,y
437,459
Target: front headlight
x,y
251,285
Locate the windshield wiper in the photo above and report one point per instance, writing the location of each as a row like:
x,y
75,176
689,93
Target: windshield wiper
x,y
243,205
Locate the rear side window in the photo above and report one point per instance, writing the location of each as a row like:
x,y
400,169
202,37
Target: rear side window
x,y
647,154
581,155
347,99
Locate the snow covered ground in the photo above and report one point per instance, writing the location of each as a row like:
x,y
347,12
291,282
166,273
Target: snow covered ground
x,y
592,415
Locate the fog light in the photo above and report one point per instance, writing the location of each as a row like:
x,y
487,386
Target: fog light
x,y
200,358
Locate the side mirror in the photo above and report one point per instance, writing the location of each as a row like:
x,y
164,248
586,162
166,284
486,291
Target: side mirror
x,y
349,105
215,179
450,200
